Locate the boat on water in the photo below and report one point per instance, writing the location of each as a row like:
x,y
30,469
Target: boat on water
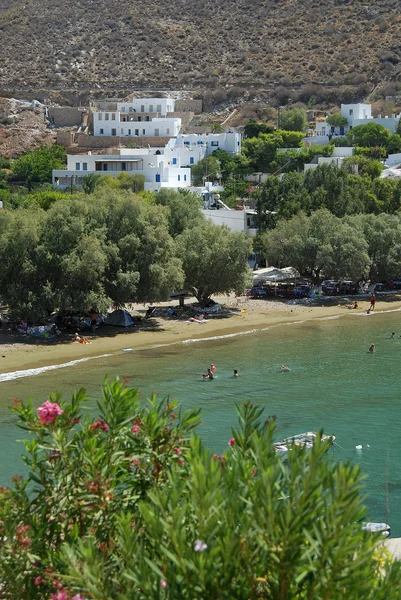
x,y
382,528
303,440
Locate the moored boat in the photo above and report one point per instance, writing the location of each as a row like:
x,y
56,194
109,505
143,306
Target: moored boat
x,y
303,440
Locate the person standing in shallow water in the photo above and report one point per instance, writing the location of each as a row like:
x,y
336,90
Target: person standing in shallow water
x,y
236,374
372,348
372,302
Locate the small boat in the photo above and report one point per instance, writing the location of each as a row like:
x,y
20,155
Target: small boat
x,y
382,528
304,440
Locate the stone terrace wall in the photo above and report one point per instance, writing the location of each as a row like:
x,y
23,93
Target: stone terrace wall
x,y
194,106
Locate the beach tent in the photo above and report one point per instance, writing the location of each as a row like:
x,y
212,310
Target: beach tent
x,y
119,318
273,274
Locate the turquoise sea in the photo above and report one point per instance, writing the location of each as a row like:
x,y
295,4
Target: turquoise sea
x,y
334,384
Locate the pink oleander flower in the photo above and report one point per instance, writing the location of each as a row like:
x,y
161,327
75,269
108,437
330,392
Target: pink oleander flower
x,y
200,546
136,461
61,595
38,580
48,412
231,442
99,424
135,429
78,597
163,583
181,462
178,451
216,457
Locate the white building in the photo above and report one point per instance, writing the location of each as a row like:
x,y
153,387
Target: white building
x,y
139,117
356,114
161,106
241,220
158,170
229,141
339,153
132,125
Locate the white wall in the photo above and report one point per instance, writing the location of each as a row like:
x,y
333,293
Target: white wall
x,y
356,111
229,141
342,151
156,169
110,123
148,105
236,220
389,123
393,160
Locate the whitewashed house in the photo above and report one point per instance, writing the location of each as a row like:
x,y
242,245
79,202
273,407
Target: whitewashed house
x,y
356,114
136,118
158,170
229,141
339,153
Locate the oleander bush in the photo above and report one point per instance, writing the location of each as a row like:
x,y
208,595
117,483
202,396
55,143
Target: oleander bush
x,y
126,502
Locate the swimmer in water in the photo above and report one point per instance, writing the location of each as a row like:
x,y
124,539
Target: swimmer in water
x,y
372,348
212,367
392,335
236,374
284,369
208,375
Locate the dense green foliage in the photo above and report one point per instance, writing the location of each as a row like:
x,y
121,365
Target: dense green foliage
x,y
292,119
37,166
323,245
340,191
336,120
129,503
61,251
261,151
213,260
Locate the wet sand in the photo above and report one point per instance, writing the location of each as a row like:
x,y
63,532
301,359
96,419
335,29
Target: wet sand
x,y
258,314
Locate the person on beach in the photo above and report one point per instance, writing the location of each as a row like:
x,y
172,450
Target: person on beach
x,y
284,369
372,302
372,348
353,305
236,374
80,340
93,315
212,367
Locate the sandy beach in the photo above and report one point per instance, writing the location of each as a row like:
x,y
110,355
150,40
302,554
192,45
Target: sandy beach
x,y
243,314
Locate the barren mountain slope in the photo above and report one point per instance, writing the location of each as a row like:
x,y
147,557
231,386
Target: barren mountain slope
x,y
121,43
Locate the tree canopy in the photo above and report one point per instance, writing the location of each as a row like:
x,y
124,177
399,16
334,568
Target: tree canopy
x,y
214,260
129,503
37,166
336,120
108,248
318,246
292,119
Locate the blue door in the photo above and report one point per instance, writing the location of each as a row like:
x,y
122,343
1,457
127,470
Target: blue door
x,y
341,130
174,161
158,178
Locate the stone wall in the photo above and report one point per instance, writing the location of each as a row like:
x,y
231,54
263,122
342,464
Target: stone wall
x,y
65,116
194,106
65,138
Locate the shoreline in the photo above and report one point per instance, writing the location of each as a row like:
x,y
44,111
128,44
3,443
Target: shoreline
x,y
259,315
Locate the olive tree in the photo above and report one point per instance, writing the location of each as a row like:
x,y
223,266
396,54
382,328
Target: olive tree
x,y
214,260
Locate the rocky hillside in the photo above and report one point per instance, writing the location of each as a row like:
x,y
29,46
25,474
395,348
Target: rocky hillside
x,y
198,43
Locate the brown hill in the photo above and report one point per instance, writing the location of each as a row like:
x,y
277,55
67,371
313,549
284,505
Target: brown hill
x,y
198,43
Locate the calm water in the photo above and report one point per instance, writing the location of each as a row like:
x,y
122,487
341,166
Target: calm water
x,y
334,384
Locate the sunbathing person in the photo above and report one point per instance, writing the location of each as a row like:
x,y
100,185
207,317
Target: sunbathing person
x,y
353,305
80,340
